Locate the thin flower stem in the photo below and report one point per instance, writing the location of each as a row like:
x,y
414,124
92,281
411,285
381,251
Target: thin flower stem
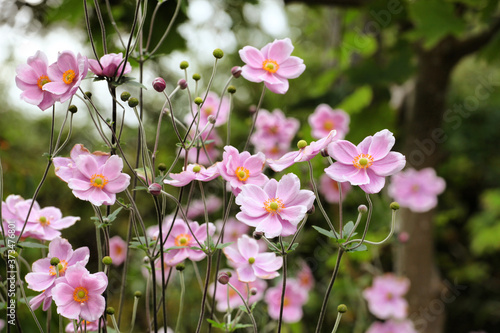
x,y
255,117
21,288
205,291
87,22
318,200
153,296
283,287
113,23
297,233
358,220
368,220
337,322
102,26
181,302
134,23
393,225
247,307
151,24
174,17
115,325
134,312
341,221
328,290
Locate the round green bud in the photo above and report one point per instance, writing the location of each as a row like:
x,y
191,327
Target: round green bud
x,y
137,294
162,167
196,168
253,291
196,76
362,209
110,310
258,235
218,53
342,308
146,260
394,205
107,260
125,96
231,89
72,108
198,100
54,261
251,260
180,267
301,144
184,64
88,94
133,102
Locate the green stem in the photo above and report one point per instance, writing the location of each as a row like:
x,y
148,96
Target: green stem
x,y
181,303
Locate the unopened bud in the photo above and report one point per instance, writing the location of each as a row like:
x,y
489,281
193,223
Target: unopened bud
x,y
182,84
198,100
252,109
155,189
110,311
125,96
88,94
180,267
258,235
403,237
253,291
223,278
159,84
231,89
211,119
218,53
146,260
133,102
301,144
324,153
394,205
311,210
184,64
137,294
107,260
342,308
72,108
362,209
196,76
162,167
54,261
236,71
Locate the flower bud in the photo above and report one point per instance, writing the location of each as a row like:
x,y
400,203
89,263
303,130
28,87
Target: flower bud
x,y
403,237
218,53
231,89
146,260
110,310
54,261
362,209
72,108
311,210
342,308
253,291
180,267
125,96
301,144
198,100
155,189
162,167
159,84
236,71
107,260
394,205
252,109
182,84
137,294
133,102
184,64
196,76
258,235
88,94
223,278
324,153
211,119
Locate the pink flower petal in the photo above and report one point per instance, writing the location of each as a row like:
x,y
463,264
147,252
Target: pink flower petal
x,y
393,162
279,50
343,151
382,144
252,56
291,68
246,274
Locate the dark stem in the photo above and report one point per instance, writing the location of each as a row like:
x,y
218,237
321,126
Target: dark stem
x,y
205,290
283,288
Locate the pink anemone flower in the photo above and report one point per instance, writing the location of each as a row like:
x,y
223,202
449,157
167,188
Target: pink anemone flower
x,y
31,78
64,166
117,250
110,65
226,297
390,326
275,209
66,75
78,294
417,190
242,168
385,296
305,153
273,64
294,300
251,264
197,207
367,164
192,172
273,127
329,188
324,119
44,299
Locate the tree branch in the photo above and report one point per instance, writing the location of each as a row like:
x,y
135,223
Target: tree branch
x,y
474,43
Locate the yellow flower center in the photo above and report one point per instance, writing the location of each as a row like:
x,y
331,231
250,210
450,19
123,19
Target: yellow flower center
x,y
182,240
415,188
286,302
98,180
329,125
42,80
274,205
44,221
68,76
196,168
208,110
61,267
251,260
363,161
242,173
270,65
81,295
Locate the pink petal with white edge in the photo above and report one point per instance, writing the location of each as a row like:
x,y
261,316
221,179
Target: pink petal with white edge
x,y
248,220
60,248
279,50
264,274
343,151
271,188
389,165
87,165
252,74
252,56
253,192
255,163
63,294
288,187
278,88
112,167
375,185
283,162
381,145
234,255
93,308
252,208
268,261
270,226
303,198
340,172
248,247
293,214
71,310
119,184
96,282
291,68
246,273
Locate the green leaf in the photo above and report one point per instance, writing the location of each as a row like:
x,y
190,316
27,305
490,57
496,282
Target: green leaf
x,y
30,245
216,324
221,246
327,233
294,246
360,248
348,228
357,101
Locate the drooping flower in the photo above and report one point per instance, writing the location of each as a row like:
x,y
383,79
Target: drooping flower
x,y
251,264
367,164
226,296
66,75
273,64
193,172
92,177
78,294
391,326
117,250
272,128
111,65
31,78
275,209
210,107
242,168
385,296
305,153
324,119
292,304
182,239
43,274
417,190
329,188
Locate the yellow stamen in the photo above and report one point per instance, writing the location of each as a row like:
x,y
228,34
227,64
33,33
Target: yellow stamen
x,y
270,65
363,161
328,125
274,205
242,173
69,76
81,295
61,266
182,240
42,80
98,180
44,221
